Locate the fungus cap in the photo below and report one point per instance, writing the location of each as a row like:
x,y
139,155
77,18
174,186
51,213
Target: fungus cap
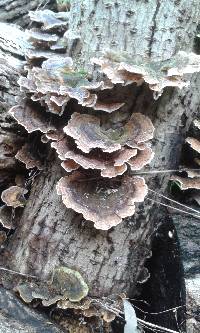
x,y
100,202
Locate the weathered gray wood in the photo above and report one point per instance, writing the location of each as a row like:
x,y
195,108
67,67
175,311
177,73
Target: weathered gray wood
x,y
152,28
15,317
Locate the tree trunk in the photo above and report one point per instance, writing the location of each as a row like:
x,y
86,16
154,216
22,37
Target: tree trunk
x,y
48,234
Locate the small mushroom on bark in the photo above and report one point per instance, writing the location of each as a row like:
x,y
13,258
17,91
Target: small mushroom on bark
x,y
14,196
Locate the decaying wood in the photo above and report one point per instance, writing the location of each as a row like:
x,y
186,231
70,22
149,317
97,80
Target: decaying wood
x,y
48,234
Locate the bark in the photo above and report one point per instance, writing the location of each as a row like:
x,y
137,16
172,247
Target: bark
x,y
48,234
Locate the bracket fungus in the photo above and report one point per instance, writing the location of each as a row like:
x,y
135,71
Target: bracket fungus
x,y
105,203
33,119
101,148
111,165
65,284
14,196
94,129
88,133
121,68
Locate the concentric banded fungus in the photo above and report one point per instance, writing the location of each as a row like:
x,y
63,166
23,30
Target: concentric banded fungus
x,y
14,196
90,307
66,284
110,165
105,203
120,68
88,133
105,143
31,118
57,78
193,180
82,305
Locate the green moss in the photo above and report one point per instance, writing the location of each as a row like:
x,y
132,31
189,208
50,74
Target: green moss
x,y
74,79
70,283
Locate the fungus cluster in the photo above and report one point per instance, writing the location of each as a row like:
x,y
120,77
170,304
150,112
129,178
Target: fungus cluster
x,y
120,68
98,139
94,150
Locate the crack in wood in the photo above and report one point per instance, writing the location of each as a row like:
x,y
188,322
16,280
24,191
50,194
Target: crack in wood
x,y
153,28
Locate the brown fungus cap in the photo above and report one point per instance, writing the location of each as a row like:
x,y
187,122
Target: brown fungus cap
x,y
110,107
25,156
70,165
3,237
89,134
142,158
14,196
31,117
101,202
